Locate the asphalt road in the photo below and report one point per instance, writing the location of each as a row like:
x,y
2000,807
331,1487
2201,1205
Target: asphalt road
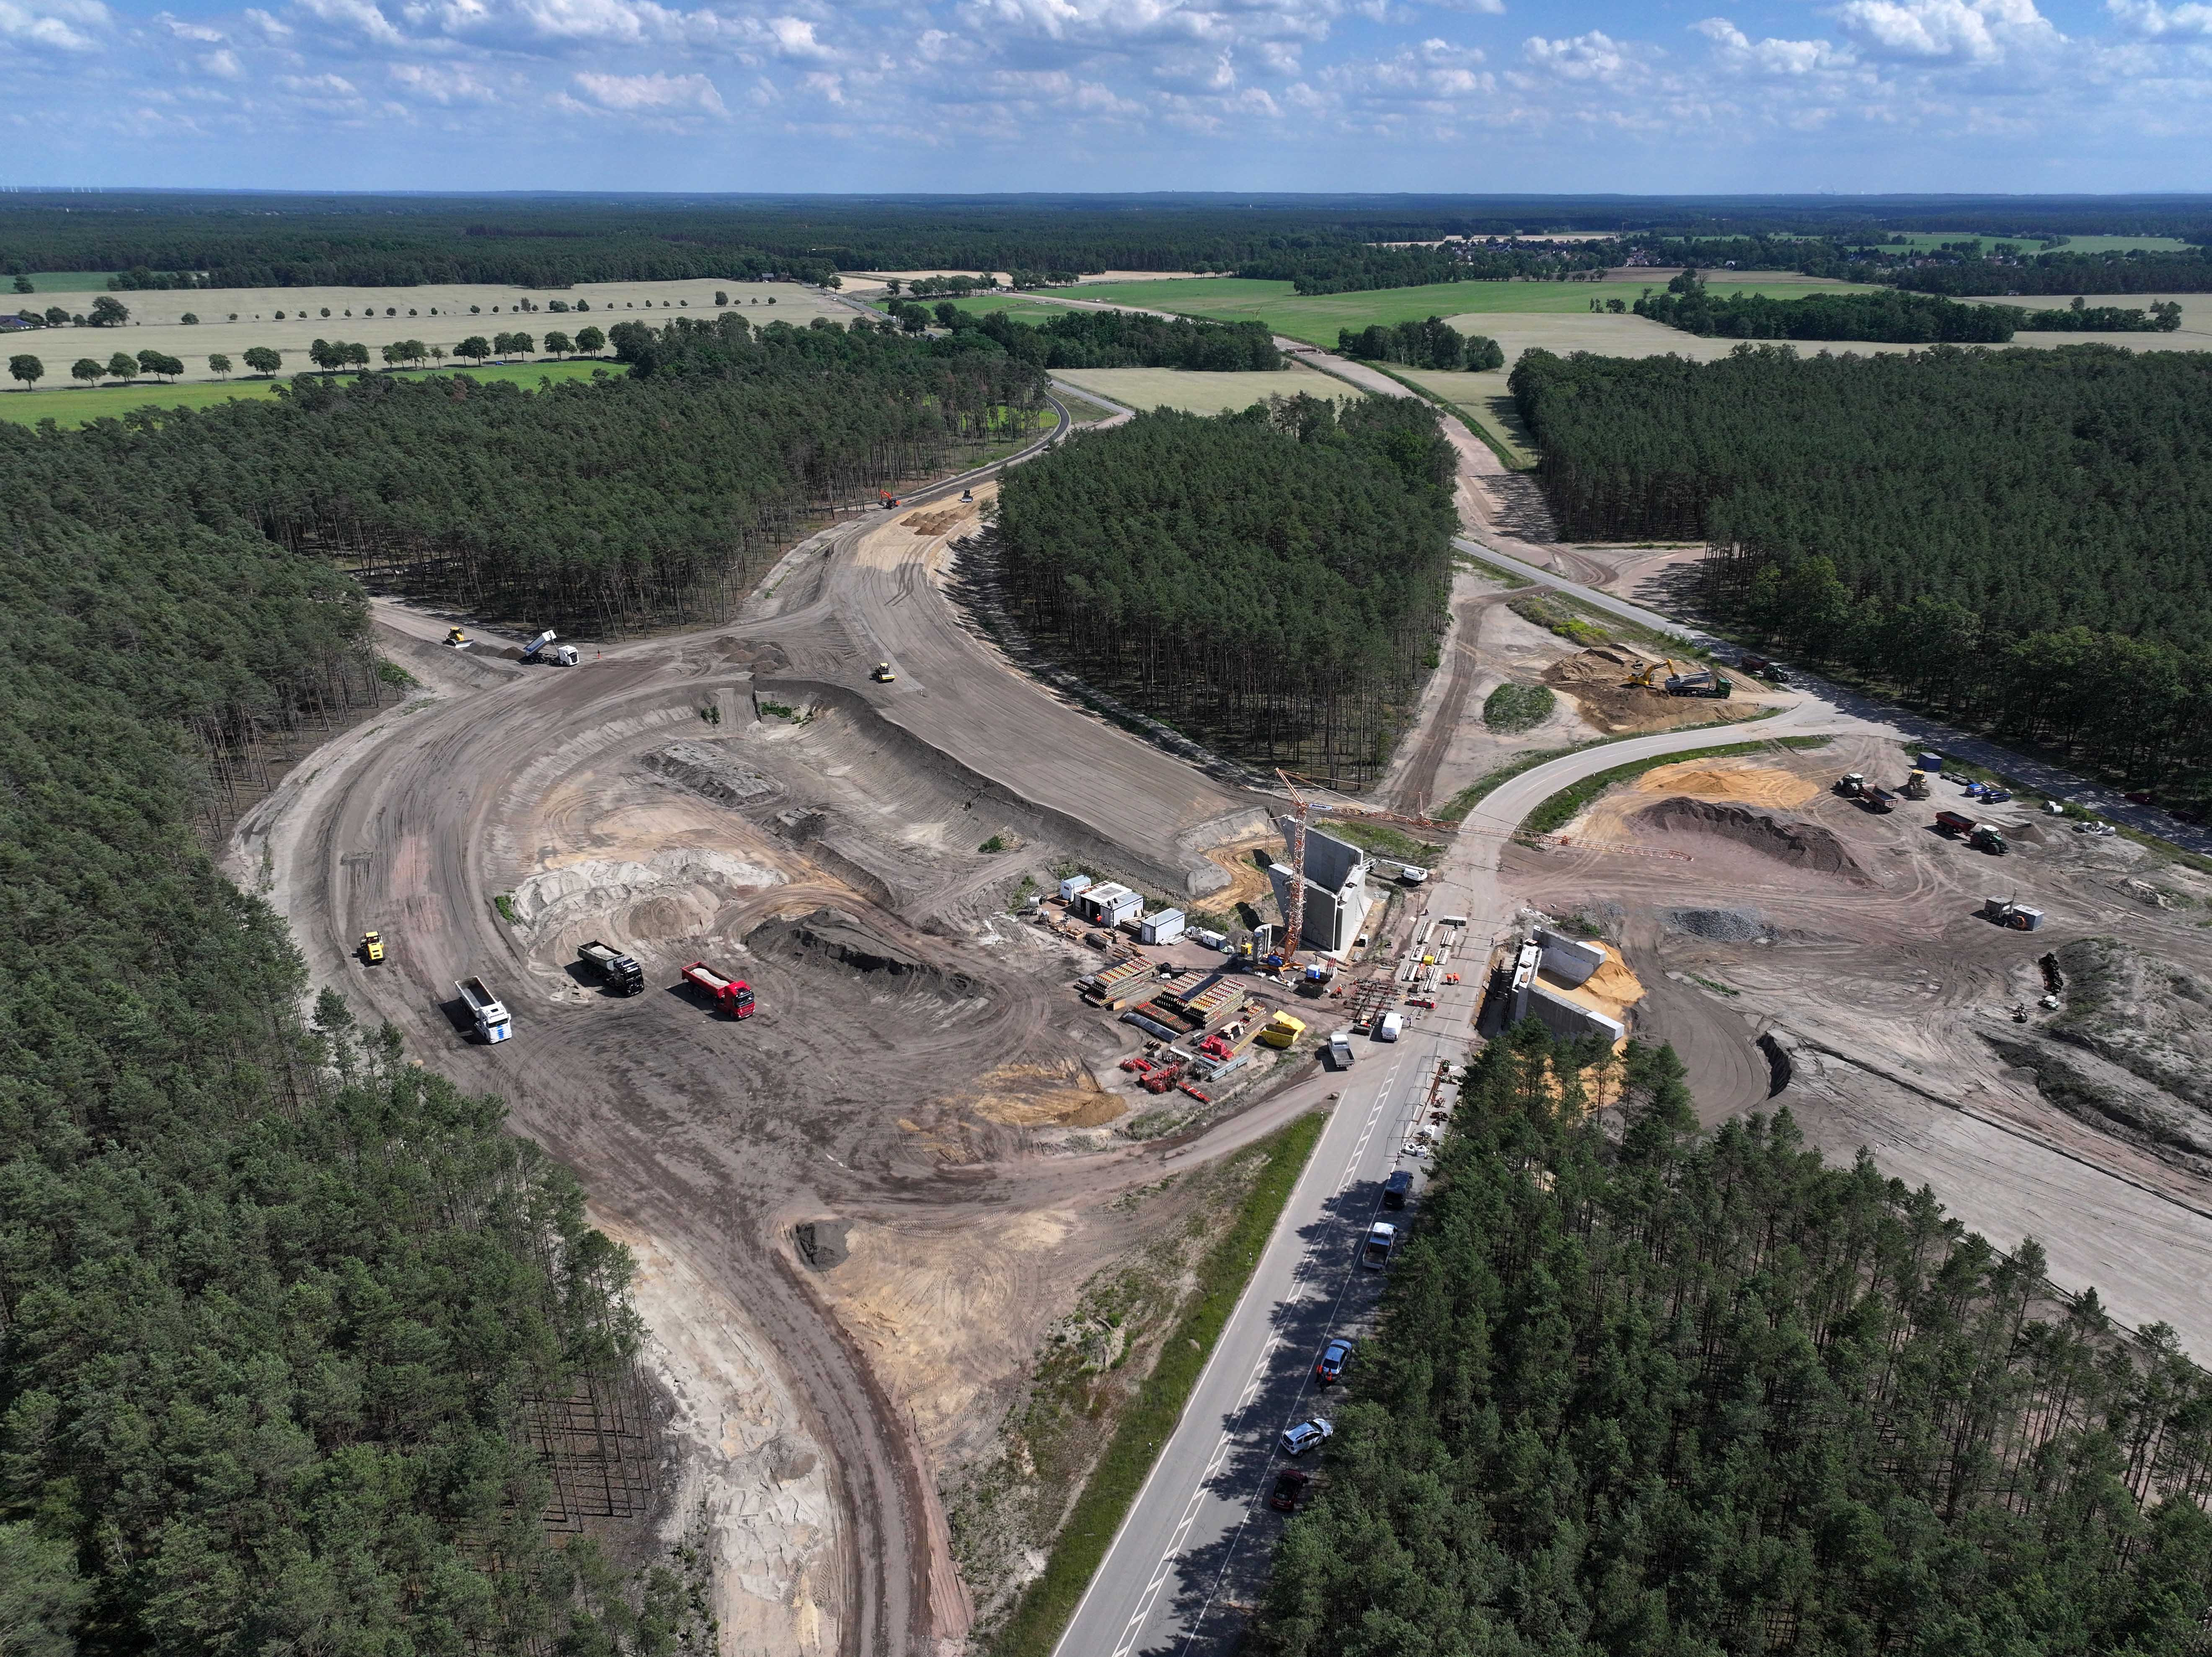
x,y
1192,1556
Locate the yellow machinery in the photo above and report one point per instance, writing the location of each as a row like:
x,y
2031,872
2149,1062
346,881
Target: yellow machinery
x,y
1915,785
372,947
456,638
1282,1030
883,675
1652,676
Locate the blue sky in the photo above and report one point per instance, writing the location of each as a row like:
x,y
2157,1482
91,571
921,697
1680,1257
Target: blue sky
x,y
1476,96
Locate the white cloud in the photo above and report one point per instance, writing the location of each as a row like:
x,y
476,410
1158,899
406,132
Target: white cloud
x,y
223,64
794,37
318,86
2149,20
360,17
443,83
184,31
1595,57
66,26
656,94
1954,31
1773,57
1490,7
268,24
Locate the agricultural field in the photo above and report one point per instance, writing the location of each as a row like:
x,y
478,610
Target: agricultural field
x,y
1202,393
58,281
439,314
1318,318
71,405
1019,307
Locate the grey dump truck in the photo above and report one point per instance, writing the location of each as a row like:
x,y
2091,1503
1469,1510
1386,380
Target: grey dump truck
x,y
616,970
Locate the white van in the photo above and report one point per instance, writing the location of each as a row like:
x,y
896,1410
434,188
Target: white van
x,y
1388,1027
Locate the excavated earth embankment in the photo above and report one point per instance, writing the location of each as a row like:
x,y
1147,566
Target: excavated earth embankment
x,y
1805,846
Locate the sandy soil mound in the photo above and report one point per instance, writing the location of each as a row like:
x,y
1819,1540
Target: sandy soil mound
x,y
710,769
1802,845
1596,679
1747,785
1044,1096
673,894
937,523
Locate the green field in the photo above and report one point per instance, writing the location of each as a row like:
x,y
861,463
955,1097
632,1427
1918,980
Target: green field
x,y
1317,319
77,405
57,282
1019,307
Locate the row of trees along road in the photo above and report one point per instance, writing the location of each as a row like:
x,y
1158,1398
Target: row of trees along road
x,y
1274,580
1685,1395
1113,339
1431,344
280,1315
2016,539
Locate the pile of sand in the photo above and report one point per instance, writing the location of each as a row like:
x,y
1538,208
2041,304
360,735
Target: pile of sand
x,y
1603,665
1044,1096
1804,846
1747,785
937,523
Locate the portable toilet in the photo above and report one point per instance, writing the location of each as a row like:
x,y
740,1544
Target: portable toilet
x,y
1165,927
1071,885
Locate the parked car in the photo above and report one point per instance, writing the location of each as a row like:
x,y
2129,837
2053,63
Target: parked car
x,y
1329,1366
1290,1487
1297,1440
1382,1238
1397,1188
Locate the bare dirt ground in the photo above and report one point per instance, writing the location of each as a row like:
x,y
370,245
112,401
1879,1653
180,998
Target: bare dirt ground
x,y
858,1213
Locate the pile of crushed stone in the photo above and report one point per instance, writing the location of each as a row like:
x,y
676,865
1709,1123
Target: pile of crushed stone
x,y
1720,926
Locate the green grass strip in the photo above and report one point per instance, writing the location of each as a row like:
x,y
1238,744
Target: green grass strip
x,y
1475,793
1035,1626
1560,808
1460,411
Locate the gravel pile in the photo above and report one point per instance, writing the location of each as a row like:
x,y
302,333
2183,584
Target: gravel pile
x,y
1720,926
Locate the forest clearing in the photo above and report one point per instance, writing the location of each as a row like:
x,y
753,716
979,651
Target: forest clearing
x,y
1200,394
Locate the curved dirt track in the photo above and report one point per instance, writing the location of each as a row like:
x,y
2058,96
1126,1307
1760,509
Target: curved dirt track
x,y
712,1138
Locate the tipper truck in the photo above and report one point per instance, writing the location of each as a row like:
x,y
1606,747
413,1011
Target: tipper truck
x,y
490,1014
559,656
616,970
733,995
1982,836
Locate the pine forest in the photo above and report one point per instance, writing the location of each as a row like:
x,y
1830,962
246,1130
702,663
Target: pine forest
x,y
1643,1393
2020,538
290,1330
1273,581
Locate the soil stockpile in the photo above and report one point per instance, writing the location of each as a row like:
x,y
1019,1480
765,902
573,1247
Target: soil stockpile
x,y
1804,846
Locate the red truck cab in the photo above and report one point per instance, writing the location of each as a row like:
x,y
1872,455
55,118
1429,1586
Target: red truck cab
x,y
733,995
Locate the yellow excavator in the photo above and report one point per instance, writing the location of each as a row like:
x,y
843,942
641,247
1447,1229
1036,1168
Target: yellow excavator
x,y
1651,676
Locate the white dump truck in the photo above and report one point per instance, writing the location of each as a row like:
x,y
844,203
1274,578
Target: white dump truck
x,y
558,656
493,1023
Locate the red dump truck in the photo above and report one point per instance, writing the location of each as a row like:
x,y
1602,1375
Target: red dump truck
x,y
1982,836
733,995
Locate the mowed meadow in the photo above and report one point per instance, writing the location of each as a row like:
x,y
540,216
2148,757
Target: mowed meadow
x,y
72,405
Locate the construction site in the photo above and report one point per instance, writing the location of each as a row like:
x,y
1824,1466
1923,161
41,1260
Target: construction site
x,y
891,1005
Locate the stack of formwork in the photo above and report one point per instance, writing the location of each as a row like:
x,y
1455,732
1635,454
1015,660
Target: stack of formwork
x,y
1116,986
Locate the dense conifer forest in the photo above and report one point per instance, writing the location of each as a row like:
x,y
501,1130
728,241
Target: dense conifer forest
x,y
1660,1394
1894,316
1124,339
1273,581
2019,539
283,1320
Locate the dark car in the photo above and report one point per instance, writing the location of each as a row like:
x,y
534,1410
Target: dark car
x,y
1397,1188
1329,1366
1297,1440
1290,1487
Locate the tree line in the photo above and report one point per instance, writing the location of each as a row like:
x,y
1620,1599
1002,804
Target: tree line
x,y
1345,265
1122,339
1892,315
283,1317
1654,1393
1431,344
2015,539
1273,580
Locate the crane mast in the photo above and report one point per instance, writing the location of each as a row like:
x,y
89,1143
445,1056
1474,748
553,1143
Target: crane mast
x,y
1294,917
